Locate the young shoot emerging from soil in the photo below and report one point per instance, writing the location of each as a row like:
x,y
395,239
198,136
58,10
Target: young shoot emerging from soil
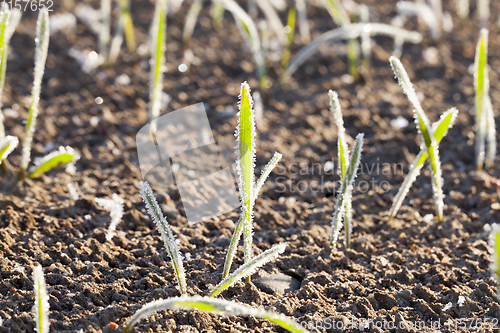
x,y
431,136
166,233
8,22
245,164
485,118
343,207
42,46
115,207
495,253
41,307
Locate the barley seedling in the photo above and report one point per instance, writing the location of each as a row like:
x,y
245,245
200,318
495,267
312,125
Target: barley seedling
x,y
42,46
495,253
343,157
345,194
274,20
352,31
7,145
248,268
290,26
53,159
166,233
41,307
128,25
440,129
426,131
485,120
245,164
340,16
213,305
248,29
115,207
124,26
8,22
158,59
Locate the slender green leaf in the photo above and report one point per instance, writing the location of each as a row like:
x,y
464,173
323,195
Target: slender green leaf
x,y
166,233
492,133
480,76
248,268
440,129
128,25
289,34
424,127
7,145
53,159
42,47
158,58
190,23
41,307
245,164
346,189
495,253
249,30
218,306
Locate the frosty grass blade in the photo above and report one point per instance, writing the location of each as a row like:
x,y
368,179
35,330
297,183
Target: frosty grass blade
x,y
213,305
156,214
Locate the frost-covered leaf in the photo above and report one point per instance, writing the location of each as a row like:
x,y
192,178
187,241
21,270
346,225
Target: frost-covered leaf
x,y
53,159
41,307
7,145
346,189
425,129
115,207
248,268
218,306
166,233
42,47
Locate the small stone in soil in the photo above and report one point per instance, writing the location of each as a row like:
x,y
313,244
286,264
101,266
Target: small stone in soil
x,y
277,283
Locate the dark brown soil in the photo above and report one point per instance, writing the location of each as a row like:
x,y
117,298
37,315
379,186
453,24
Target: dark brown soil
x,y
409,269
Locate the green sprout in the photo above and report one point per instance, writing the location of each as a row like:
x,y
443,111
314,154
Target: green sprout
x,y
42,46
429,138
495,253
485,120
249,30
7,145
8,22
158,58
440,129
41,307
248,268
213,305
343,152
340,16
245,165
53,159
124,26
345,194
290,26
166,233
